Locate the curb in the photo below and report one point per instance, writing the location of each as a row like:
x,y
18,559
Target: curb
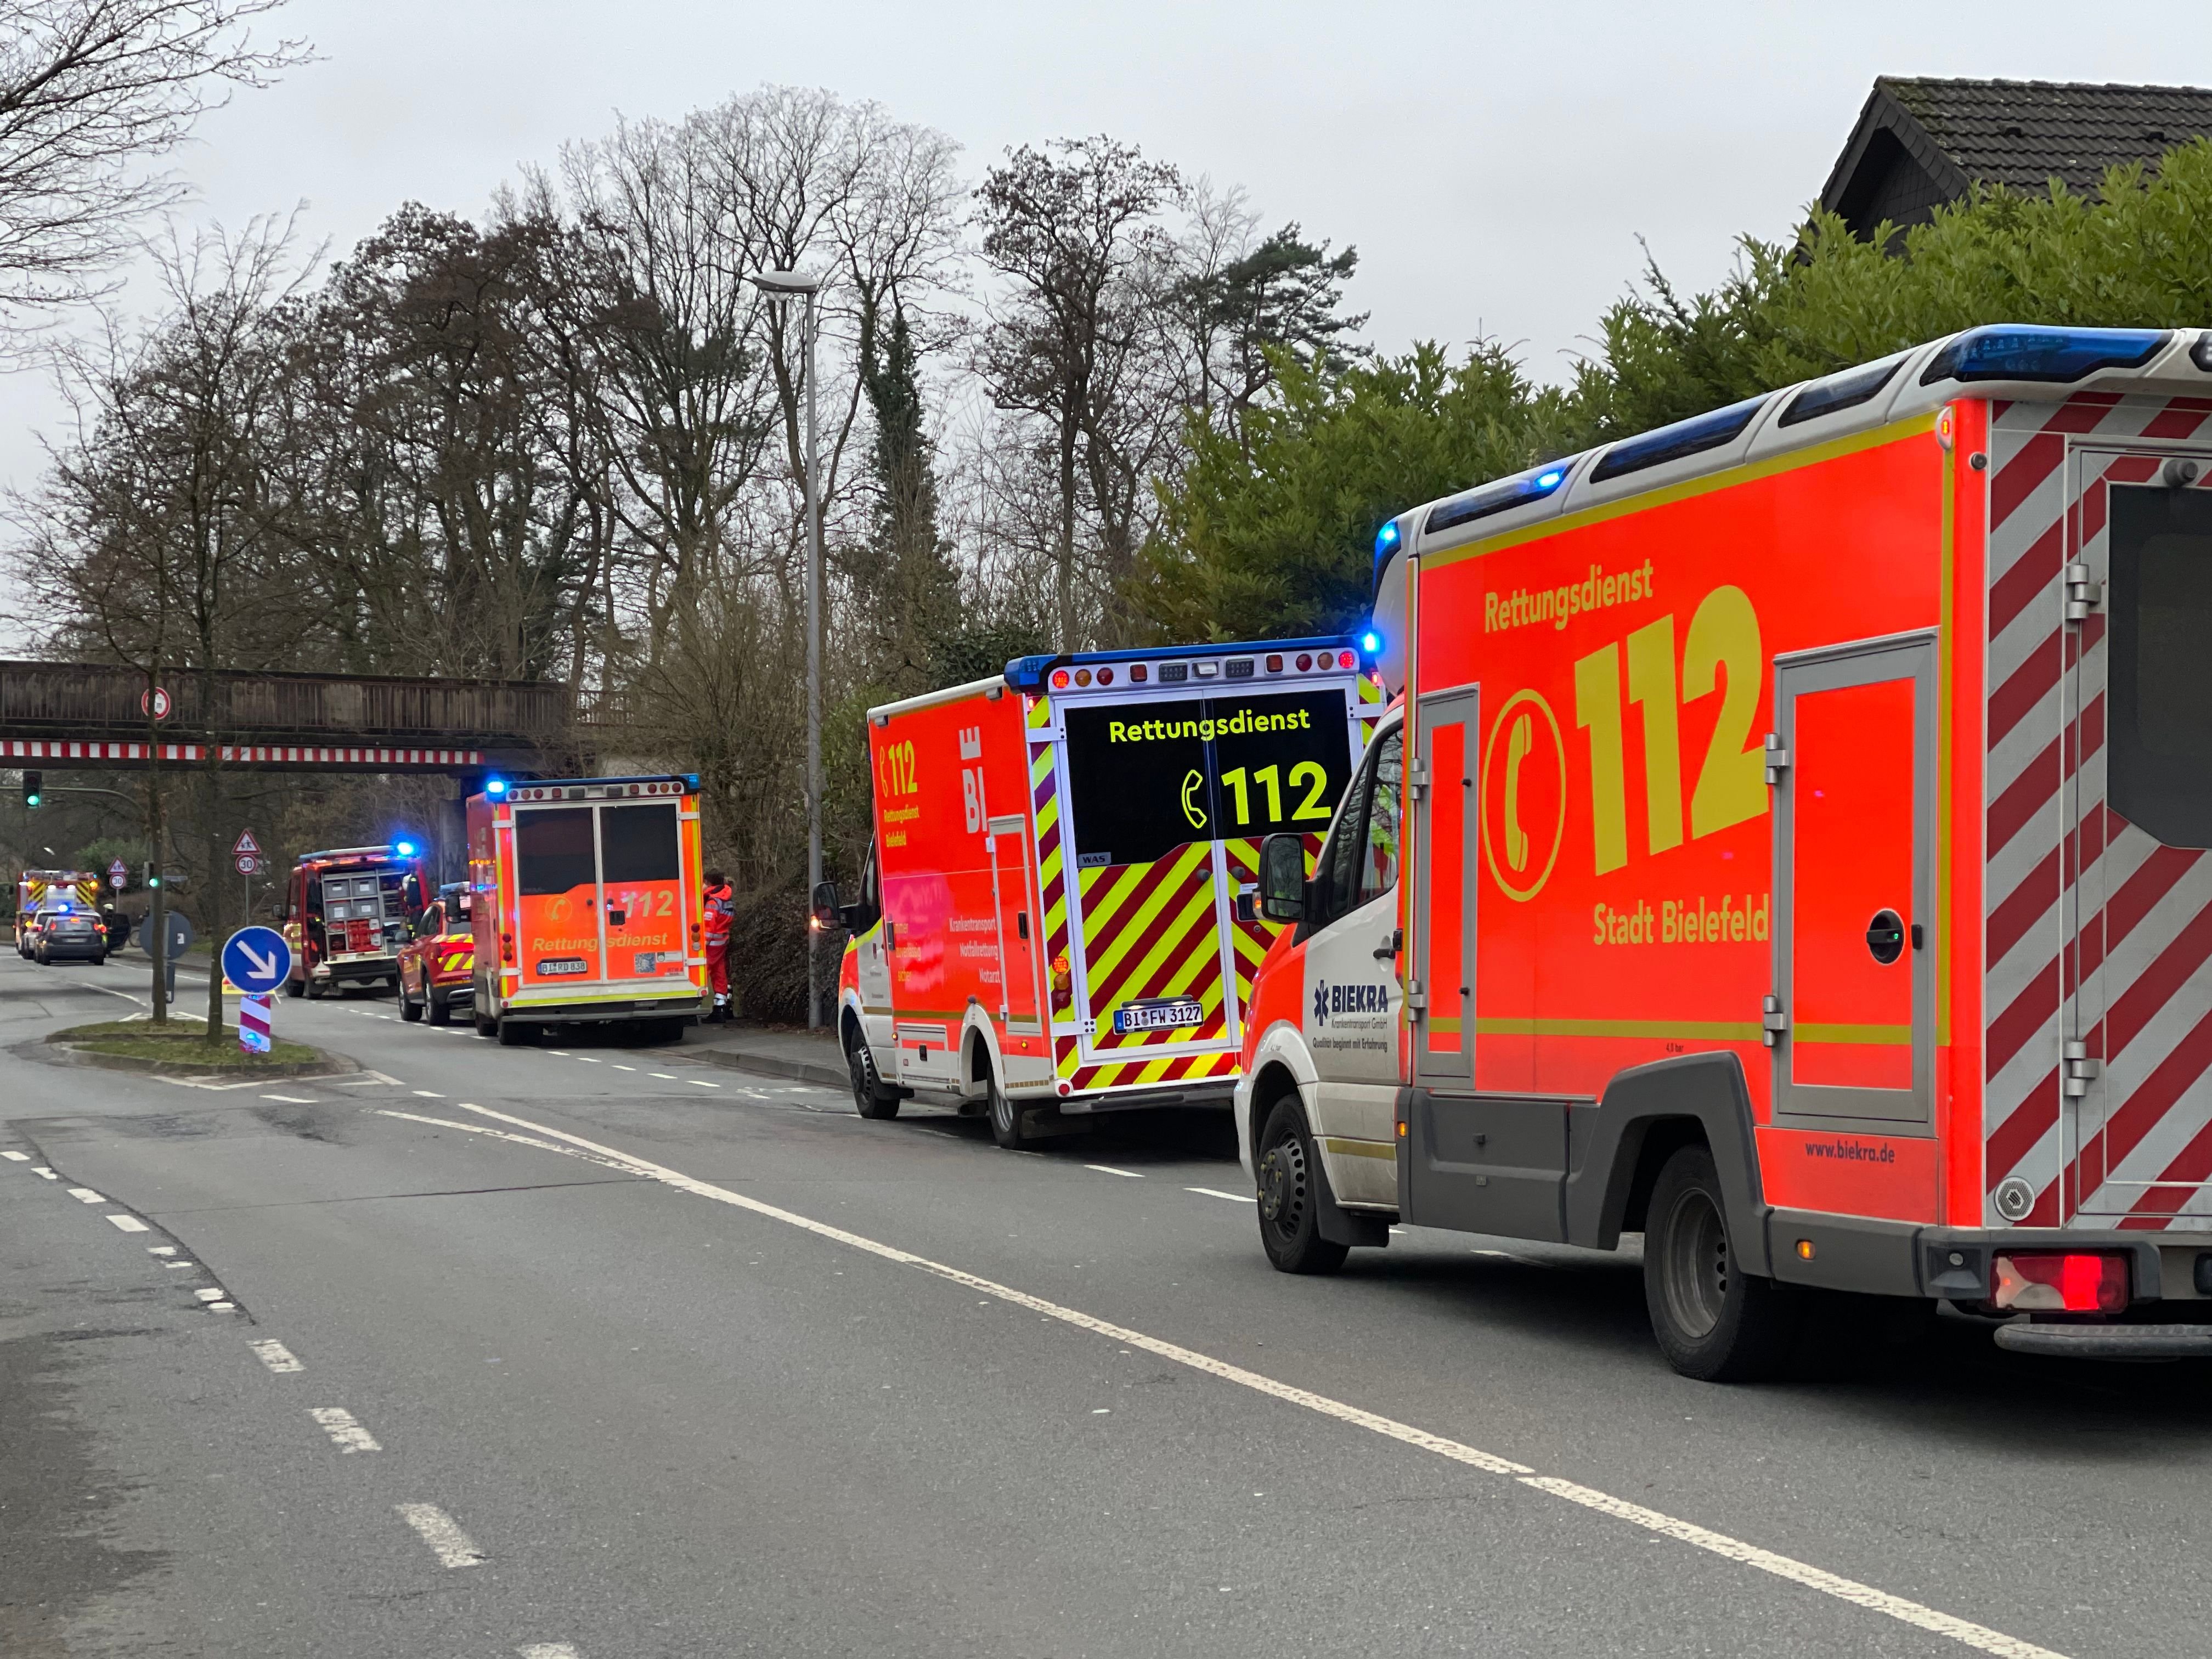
x,y
327,1066
743,1060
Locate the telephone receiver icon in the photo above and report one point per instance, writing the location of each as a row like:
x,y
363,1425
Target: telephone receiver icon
x,y
1193,782
1517,744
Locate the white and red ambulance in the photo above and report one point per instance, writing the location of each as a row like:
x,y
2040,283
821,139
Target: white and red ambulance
x,y
1788,844
1056,915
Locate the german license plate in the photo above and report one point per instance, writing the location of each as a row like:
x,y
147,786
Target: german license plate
x,y
1169,1014
554,967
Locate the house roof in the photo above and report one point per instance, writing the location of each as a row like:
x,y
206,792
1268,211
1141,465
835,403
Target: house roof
x,y
2018,133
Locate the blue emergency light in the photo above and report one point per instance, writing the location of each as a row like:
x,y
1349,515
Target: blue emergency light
x,y
494,787
404,849
2058,355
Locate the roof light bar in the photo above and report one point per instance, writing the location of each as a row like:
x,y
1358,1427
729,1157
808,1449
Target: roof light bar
x,y
1498,498
2059,356
1673,443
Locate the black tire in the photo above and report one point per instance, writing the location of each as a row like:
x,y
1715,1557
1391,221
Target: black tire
x,y
100,961
486,1026
1004,1112
1289,1194
871,1098
1713,1321
43,959
295,988
441,1009
409,1010
512,1034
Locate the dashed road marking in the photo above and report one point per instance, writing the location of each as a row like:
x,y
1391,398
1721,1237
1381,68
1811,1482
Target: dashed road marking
x,y
550,1650
276,1356
161,1250
222,1307
1108,1168
1215,1192
619,1066
129,1223
86,1195
429,1094
209,1296
701,1082
292,1100
436,1528
344,1429
666,1076
44,1173
590,1060
1980,1637
16,1158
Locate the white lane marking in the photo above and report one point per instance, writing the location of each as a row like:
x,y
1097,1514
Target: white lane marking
x,y
209,1296
344,1429
370,1079
275,1355
701,1083
435,1528
222,1307
429,1094
1978,1637
621,1067
86,1195
1108,1168
589,1060
161,1250
291,1100
44,1173
1215,1192
16,1158
129,1223
563,1052
550,1650
666,1076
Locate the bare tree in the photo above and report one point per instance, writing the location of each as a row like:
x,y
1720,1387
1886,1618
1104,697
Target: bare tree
x,y
90,91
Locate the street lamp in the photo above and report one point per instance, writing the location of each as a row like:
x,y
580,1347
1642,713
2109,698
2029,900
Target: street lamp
x,y
782,286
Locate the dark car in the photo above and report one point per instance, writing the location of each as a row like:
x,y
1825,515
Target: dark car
x,y
69,936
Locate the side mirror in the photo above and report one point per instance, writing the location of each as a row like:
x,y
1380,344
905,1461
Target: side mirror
x,y
1283,878
826,909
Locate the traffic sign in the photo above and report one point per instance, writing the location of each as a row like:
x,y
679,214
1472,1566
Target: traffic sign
x,y
159,704
119,875
246,844
248,864
257,960
179,928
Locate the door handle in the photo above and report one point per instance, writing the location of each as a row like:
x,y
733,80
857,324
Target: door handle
x,y
1388,948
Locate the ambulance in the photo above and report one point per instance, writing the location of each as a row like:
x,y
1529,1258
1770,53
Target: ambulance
x,y
586,905
1056,918
345,916
1787,844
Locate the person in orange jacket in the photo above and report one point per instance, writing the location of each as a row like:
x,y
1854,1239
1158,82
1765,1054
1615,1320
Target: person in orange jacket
x,y
720,907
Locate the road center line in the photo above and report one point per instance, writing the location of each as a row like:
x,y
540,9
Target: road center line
x,y
86,1195
1108,1168
16,1158
550,1650
1215,1192
699,1082
436,1528
344,1429
129,1223
275,1355
1965,1631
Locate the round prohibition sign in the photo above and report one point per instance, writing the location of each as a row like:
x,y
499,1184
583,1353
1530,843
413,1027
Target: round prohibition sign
x,y
1519,755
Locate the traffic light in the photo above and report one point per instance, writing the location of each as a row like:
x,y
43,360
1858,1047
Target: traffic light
x,y
33,789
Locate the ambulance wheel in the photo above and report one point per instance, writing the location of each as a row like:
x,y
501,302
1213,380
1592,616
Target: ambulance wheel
x,y
1006,1113
512,1034
1713,1321
486,1026
870,1097
409,1008
295,988
441,1009
1289,1195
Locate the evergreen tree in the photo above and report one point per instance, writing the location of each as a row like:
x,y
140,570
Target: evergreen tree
x,y
910,592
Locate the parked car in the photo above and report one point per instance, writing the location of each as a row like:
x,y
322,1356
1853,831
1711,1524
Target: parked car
x,y
67,936
438,962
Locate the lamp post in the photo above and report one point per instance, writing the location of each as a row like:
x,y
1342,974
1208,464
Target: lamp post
x,y
782,286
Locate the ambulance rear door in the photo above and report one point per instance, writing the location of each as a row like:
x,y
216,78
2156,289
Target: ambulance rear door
x,y
601,891
1167,791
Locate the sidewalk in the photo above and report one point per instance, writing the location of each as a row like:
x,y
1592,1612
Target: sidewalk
x,y
810,1057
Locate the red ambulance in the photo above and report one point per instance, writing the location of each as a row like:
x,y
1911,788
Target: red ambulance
x,y
585,905
345,916
1056,916
1788,844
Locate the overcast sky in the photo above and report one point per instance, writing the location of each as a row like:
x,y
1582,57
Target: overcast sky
x,y
1493,164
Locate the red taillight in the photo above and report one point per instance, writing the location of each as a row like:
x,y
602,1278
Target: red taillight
x,y
1059,679
2056,1282
1274,663
1305,661
1345,659
506,949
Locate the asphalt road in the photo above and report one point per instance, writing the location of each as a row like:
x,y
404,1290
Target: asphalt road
x,y
606,1353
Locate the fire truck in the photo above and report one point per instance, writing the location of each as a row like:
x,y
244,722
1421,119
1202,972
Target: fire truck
x,y
345,916
1056,918
587,905
50,890
1788,845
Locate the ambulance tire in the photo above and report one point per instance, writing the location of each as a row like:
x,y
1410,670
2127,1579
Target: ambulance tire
x,y
512,1034
871,1099
410,1009
1713,1322
1005,1113
441,1009
486,1026
1289,1195
295,988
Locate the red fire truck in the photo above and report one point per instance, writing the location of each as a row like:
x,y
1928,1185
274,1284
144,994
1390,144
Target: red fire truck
x,y
345,916
1056,916
586,904
1789,846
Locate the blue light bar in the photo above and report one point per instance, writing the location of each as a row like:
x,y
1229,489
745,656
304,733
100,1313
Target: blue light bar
x,y
1372,642
2057,355
1671,443
494,787
1386,538
1498,497
404,849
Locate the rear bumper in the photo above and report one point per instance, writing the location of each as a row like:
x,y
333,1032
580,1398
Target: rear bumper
x,y
1219,1095
74,949
2108,1341
570,1013
1897,1258
361,970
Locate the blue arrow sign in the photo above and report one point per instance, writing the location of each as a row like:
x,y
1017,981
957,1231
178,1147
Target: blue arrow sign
x,y
256,959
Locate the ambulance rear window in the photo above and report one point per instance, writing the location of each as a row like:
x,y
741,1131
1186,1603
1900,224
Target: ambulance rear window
x,y
553,848
638,843
2158,768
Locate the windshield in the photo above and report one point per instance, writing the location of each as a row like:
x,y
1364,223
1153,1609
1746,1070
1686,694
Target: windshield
x,y
1149,777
